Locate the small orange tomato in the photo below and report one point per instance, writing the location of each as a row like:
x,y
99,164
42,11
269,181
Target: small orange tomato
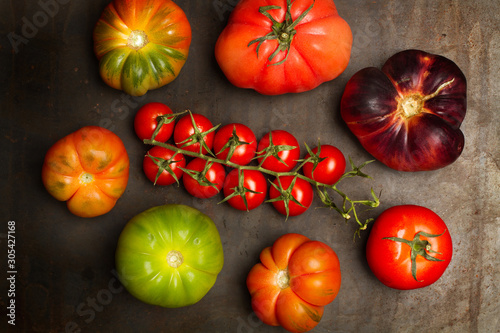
x,y
88,169
296,278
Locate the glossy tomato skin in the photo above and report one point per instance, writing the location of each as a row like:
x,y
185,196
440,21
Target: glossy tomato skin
x,y
146,122
88,169
330,169
319,52
408,114
215,174
141,45
293,282
169,256
290,157
243,153
184,129
254,180
302,191
390,260
151,169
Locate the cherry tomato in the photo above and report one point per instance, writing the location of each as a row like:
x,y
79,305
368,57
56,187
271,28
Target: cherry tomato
x,y
288,157
214,175
185,133
243,146
409,247
301,191
147,118
329,170
254,189
151,168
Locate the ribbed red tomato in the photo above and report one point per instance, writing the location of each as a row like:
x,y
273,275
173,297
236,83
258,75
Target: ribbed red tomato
x,y
408,114
283,46
296,278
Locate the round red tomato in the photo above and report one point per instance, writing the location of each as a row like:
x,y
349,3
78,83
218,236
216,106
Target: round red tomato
x,y
193,129
212,178
157,171
301,192
277,46
409,247
330,169
237,139
254,189
149,117
278,143
296,278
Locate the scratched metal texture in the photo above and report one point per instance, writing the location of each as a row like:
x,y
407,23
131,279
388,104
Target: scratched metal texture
x,y
50,87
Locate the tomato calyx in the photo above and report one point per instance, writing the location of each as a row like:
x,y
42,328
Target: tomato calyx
x,y
285,195
174,259
232,143
313,158
413,104
137,40
283,32
198,137
201,176
283,279
86,178
164,165
165,120
418,247
272,150
240,190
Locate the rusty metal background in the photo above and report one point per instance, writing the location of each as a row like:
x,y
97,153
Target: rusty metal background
x,y
65,279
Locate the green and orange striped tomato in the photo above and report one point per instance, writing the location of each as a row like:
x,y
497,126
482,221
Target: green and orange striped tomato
x,y
141,44
169,255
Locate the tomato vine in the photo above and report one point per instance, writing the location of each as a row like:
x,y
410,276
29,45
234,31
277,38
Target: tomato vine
x,y
325,191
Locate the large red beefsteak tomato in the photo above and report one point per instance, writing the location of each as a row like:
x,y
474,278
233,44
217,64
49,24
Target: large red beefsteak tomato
x,y
283,46
296,278
408,114
141,44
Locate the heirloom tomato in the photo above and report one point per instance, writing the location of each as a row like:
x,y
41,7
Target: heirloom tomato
x,y
295,198
194,133
408,114
236,140
156,163
211,177
169,256
330,165
282,144
245,191
141,44
293,282
409,247
88,169
149,117
278,46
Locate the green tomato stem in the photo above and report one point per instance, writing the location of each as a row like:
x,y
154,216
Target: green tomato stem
x,y
349,205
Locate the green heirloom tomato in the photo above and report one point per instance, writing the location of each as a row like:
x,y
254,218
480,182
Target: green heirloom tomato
x,y
169,255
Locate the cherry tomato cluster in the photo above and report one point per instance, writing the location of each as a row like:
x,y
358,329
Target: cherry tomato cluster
x,y
234,147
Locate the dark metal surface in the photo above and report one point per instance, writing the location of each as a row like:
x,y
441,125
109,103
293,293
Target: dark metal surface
x,y
65,265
